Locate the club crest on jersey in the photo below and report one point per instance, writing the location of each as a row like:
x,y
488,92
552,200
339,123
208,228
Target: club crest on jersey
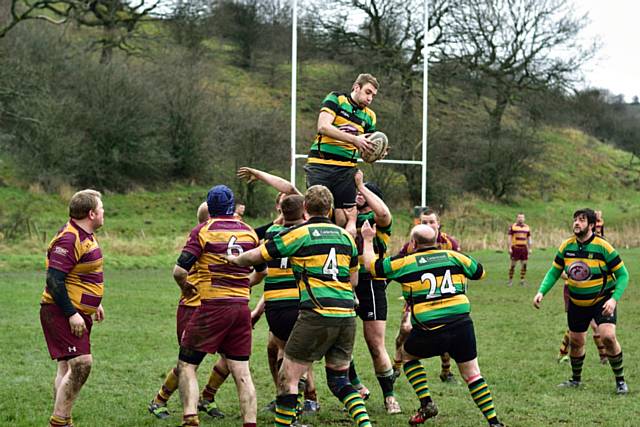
x,y
579,271
59,250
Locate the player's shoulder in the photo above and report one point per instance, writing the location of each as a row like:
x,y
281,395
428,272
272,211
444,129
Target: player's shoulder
x,y
368,111
567,243
601,241
69,233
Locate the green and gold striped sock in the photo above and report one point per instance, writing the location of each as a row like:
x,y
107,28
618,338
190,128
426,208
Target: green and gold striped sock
x,y
417,377
482,397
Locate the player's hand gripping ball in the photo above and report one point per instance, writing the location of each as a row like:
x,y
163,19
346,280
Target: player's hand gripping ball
x,y
380,145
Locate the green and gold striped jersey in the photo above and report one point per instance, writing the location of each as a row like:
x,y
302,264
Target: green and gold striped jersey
x,y
280,287
322,256
594,271
380,241
434,283
347,117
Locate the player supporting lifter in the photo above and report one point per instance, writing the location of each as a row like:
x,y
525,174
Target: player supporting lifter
x,y
371,291
281,296
519,236
344,122
73,293
444,241
324,258
186,307
222,322
434,285
596,278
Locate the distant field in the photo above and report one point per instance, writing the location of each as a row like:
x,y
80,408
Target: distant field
x,y
136,345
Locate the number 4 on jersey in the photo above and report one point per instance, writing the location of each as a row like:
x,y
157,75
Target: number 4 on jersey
x,y
331,265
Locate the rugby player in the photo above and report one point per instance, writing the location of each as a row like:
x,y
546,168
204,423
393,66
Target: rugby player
x,y
280,282
324,258
596,278
344,122
186,307
519,238
444,241
73,294
222,322
371,291
434,285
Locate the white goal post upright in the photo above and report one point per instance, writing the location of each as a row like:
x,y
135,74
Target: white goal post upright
x,y
294,66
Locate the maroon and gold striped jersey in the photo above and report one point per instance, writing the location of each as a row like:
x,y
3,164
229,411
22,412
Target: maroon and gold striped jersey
x,y
210,242
76,253
519,234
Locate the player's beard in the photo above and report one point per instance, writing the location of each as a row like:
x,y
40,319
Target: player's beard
x,y
582,233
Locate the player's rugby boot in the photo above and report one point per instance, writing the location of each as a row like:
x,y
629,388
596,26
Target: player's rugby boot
x,y
447,377
392,406
423,414
570,384
364,391
311,407
158,410
621,387
211,408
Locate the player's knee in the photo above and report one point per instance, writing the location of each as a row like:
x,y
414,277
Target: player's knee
x,y
608,339
337,380
193,357
81,366
577,341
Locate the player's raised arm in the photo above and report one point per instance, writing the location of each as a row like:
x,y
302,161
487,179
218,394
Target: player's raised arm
x,y
368,255
377,205
280,184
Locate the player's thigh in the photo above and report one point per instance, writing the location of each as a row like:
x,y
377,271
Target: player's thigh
x,y
462,342
579,318
469,369
339,354
311,337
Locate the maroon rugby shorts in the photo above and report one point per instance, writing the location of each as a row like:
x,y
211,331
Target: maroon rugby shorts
x,y
62,344
220,326
183,315
519,253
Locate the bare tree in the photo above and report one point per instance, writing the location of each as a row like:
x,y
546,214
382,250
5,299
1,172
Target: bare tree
x,y
506,46
117,18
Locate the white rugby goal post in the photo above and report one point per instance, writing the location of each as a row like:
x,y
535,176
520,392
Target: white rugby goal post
x,y
294,75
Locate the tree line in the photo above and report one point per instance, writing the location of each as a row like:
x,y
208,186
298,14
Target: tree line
x,y
119,95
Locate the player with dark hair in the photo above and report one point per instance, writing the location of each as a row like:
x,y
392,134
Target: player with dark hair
x,y
73,294
371,292
519,237
434,283
222,322
324,258
344,123
596,278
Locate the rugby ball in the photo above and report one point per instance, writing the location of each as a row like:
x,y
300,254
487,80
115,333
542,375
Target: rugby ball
x,y
380,145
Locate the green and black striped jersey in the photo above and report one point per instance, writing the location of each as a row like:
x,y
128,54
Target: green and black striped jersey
x,y
434,283
380,241
594,271
349,118
322,256
280,287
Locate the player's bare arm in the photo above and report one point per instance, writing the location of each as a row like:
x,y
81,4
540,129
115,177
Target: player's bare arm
x,y
382,214
256,277
325,127
252,257
368,255
280,184
180,276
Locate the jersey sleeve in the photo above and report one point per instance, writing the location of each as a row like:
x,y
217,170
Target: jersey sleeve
x,y
472,269
194,244
454,244
330,104
388,267
62,254
284,244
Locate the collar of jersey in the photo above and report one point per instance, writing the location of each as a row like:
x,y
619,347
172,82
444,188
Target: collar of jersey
x,y
586,242
319,219
428,248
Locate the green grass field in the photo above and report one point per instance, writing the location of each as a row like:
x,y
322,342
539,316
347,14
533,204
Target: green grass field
x,y
136,345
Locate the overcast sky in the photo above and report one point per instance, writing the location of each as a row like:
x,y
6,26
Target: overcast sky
x,y
617,66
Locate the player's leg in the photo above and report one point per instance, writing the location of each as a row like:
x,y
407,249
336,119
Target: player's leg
x,y
61,371
578,319
597,340
311,403
420,345
462,347
523,272
512,268
607,331
158,405
188,362
403,333
337,360
355,381
445,369
374,333
69,387
246,390
480,393
290,373
218,376
275,353
563,354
